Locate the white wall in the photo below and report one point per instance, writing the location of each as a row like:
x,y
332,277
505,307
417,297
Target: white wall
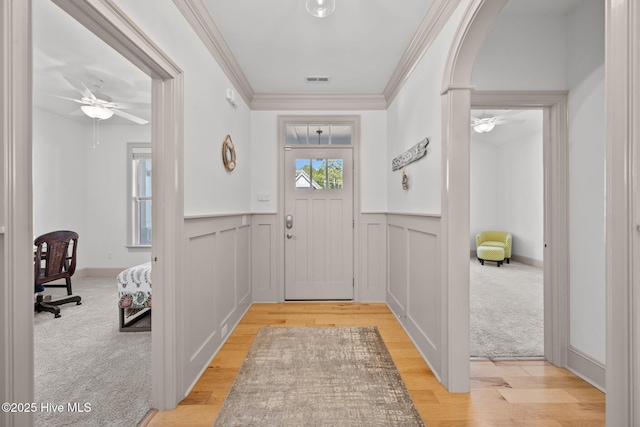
x,y
484,215
585,79
105,197
414,288
507,192
58,178
543,52
264,148
414,114
521,179
209,188
84,189
523,52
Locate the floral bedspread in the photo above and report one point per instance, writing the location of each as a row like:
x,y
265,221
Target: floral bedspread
x,y
134,287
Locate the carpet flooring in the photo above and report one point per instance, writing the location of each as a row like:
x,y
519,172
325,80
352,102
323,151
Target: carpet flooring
x,y
323,376
82,358
507,310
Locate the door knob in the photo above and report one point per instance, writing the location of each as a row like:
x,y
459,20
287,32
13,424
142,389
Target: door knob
x,y
289,235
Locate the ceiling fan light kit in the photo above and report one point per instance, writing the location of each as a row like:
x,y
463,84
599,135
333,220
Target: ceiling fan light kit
x,y
96,112
321,8
484,127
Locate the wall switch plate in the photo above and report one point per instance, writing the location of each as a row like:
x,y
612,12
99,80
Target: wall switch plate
x,y
263,196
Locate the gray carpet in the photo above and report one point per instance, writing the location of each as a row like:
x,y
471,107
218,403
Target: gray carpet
x,y
81,357
507,318
318,377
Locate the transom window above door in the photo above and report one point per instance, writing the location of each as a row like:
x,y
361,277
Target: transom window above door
x,y
319,134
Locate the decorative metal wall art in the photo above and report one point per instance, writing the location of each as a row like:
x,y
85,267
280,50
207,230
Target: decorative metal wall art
x,y
405,180
416,152
228,154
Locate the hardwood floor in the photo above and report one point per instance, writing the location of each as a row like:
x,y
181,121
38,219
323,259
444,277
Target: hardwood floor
x,y
504,393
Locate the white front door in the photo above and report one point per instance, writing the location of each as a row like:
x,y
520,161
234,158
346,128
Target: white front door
x,y
318,223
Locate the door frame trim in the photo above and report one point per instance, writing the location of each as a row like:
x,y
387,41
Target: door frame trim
x,y
556,207
283,120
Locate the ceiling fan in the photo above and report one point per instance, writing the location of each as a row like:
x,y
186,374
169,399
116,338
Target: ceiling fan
x,y
100,108
486,122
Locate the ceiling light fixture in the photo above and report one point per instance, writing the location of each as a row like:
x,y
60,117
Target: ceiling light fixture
x,y
484,127
96,112
321,8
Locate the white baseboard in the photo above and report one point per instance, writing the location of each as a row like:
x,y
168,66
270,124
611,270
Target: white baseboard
x,y
586,368
521,259
98,272
92,272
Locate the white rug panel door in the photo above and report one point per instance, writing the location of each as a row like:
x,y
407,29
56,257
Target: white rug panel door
x,y
319,223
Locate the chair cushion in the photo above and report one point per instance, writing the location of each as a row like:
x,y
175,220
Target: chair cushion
x,y
491,253
495,244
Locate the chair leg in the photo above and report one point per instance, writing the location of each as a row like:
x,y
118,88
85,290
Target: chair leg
x,y
68,280
481,261
43,305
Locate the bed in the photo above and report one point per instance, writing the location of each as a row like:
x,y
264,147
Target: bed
x,y
134,297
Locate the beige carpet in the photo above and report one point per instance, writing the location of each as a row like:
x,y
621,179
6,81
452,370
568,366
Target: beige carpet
x,y
507,310
82,358
318,377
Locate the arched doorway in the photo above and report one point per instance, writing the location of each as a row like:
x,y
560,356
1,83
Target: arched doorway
x,y
457,98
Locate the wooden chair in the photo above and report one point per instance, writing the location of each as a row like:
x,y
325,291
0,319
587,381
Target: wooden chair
x,y
55,258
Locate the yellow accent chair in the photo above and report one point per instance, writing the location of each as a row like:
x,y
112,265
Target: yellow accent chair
x,y
493,246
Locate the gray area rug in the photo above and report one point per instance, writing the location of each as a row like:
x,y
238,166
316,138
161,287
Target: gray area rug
x,y
507,318
318,377
81,358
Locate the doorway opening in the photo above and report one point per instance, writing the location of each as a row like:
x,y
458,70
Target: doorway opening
x,y
507,205
89,101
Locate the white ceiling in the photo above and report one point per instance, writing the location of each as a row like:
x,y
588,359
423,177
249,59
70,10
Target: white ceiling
x,y
276,44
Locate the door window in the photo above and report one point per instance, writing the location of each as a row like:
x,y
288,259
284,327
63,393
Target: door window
x,y
319,174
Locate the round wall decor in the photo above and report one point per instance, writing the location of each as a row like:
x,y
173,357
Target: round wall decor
x,y
228,154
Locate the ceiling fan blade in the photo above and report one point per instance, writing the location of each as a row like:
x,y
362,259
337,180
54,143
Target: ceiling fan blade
x,y
507,114
509,122
77,112
129,105
64,97
128,116
80,87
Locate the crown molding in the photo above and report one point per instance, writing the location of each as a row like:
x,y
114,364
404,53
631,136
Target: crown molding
x,y
319,101
198,16
437,16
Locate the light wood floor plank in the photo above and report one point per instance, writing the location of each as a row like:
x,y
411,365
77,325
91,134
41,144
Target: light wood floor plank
x,y
505,393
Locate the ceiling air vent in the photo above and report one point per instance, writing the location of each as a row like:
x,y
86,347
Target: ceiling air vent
x,y
316,79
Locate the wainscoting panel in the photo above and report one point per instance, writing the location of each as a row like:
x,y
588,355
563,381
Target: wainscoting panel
x,y
373,258
198,310
264,269
218,290
414,291
397,267
243,265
